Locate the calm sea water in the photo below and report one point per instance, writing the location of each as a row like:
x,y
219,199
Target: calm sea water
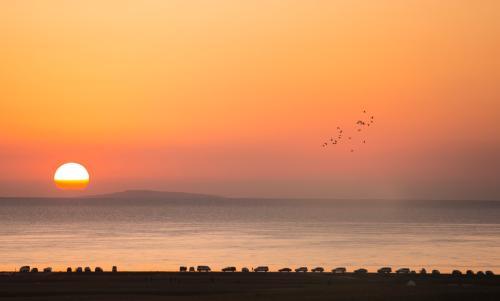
x,y
155,235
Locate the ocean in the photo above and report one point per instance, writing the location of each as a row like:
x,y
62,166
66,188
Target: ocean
x,y
155,235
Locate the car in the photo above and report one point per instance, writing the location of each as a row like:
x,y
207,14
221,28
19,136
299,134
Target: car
x,y
47,270
423,271
261,269
361,271
24,269
79,270
69,270
384,270
285,270
114,269
340,270
34,270
469,273
435,272
301,270
480,274
456,273
245,270
318,270
403,271
489,273
203,268
182,269
191,269
98,270
87,270
229,269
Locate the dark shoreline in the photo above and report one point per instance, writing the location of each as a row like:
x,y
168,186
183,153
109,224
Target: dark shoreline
x,y
244,286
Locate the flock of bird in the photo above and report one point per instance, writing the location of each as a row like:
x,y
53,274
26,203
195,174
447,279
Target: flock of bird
x,y
360,126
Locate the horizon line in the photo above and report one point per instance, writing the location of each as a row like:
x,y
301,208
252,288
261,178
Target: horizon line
x,y
110,194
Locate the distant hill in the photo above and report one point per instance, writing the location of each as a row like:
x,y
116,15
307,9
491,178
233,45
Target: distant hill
x,y
128,197
155,195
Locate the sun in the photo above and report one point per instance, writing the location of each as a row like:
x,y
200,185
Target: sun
x,y
71,176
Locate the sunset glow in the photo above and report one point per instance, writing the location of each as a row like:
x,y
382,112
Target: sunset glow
x,y
236,97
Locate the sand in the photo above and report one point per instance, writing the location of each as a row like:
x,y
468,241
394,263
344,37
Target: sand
x,y
243,286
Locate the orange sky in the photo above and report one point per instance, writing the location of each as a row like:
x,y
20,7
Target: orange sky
x,y
236,98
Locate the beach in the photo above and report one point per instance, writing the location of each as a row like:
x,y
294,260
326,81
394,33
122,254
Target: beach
x,y
244,286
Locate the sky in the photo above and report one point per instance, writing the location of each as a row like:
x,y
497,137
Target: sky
x,y
236,97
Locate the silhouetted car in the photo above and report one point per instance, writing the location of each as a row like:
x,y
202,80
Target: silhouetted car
x,y
203,268
34,270
361,271
403,271
285,270
489,273
340,270
69,270
456,273
469,273
98,270
301,270
261,269
384,270
318,270
423,271
24,269
114,269
229,269
183,269
79,270
87,270
191,269
435,272
245,270
47,270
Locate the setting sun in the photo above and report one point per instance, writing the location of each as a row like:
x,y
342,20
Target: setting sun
x,y
71,176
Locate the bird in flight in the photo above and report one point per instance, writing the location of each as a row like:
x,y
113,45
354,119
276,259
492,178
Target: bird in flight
x,y
358,129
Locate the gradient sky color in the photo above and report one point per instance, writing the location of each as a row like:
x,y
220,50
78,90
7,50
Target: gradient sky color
x,y
236,97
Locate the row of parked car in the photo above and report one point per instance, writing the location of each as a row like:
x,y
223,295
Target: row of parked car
x,y
388,270
27,269
340,270
204,268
